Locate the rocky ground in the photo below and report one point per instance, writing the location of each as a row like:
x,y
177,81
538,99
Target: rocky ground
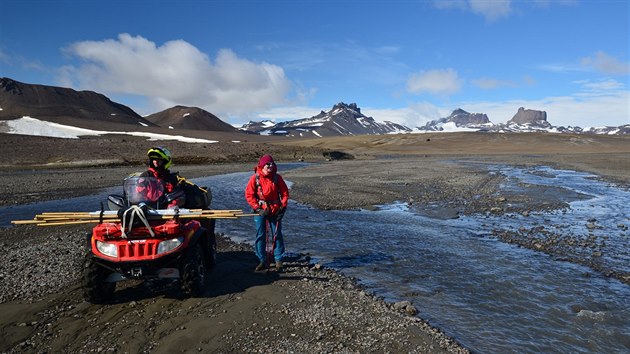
x,y
306,308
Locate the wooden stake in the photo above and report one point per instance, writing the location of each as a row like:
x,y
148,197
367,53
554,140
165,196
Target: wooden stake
x,y
71,218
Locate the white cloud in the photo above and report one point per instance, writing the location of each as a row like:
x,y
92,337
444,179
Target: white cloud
x,y
606,64
547,3
528,80
490,9
493,10
439,81
289,113
598,88
594,103
560,67
450,4
487,83
599,62
176,73
417,114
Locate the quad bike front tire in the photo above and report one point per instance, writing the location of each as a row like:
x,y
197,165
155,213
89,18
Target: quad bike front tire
x,y
192,272
95,287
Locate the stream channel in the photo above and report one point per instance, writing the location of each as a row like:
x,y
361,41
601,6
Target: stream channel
x,y
491,296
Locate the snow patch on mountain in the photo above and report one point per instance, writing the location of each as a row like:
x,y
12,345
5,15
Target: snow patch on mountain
x,y
36,127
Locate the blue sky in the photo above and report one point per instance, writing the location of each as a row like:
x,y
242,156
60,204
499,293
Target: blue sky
x,y
400,60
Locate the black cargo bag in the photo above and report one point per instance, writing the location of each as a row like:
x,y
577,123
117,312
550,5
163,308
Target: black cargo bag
x,y
196,197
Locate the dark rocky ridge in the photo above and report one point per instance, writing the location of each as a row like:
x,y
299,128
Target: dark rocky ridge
x,y
62,105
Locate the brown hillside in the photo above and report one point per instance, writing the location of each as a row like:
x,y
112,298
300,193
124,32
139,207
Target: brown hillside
x,y
62,105
193,118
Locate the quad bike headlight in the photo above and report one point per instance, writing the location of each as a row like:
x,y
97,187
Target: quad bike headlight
x,y
169,245
107,249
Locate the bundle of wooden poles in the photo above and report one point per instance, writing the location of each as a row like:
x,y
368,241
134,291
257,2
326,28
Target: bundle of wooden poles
x,y
70,218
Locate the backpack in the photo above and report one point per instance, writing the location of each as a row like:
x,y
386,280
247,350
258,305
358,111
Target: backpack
x,y
259,193
196,197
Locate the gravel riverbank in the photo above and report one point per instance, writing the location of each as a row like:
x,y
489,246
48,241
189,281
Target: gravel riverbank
x,y
303,309
306,308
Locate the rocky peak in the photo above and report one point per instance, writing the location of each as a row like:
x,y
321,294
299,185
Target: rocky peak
x,y
9,85
530,117
462,118
459,119
343,106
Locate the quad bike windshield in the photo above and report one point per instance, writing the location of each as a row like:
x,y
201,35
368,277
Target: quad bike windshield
x,y
148,190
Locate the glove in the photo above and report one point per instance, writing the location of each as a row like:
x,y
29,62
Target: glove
x,y
261,212
281,213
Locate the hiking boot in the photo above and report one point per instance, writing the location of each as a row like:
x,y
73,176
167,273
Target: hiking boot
x,y
260,266
278,265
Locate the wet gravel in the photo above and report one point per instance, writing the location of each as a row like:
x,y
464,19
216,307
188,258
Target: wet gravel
x,y
318,310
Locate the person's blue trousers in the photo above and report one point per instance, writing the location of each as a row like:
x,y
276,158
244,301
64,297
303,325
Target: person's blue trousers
x,y
261,237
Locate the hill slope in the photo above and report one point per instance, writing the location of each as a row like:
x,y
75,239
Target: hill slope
x,y
62,105
193,118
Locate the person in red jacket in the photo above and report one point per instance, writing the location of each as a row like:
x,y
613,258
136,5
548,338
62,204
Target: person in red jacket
x,y
268,195
160,160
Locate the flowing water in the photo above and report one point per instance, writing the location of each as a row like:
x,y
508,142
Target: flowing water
x,y
491,296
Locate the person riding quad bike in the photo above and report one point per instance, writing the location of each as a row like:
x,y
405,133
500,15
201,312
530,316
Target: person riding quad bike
x,y
160,160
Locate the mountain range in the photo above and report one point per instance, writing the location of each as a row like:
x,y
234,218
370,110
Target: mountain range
x,y
342,119
524,120
88,109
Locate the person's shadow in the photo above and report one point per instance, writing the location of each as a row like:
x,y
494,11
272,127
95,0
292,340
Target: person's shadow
x,y
234,273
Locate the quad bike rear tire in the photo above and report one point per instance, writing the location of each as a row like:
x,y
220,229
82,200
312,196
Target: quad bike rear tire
x,y
210,244
193,272
211,252
95,287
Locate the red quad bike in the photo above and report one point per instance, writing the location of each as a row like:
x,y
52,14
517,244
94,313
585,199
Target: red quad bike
x,y
138,240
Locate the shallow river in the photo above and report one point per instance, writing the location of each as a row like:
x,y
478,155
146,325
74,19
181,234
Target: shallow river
x,y
491,296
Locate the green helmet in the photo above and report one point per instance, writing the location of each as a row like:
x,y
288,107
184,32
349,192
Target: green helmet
x,y
160,153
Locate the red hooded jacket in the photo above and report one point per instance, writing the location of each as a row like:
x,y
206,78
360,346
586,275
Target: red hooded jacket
x,y
270,193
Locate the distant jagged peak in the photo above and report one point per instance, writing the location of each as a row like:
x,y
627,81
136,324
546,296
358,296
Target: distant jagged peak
x,y
458,111
342,119
461,118
254,126
346,107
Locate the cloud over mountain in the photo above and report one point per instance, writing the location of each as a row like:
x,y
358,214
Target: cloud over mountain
x,y
439,81
175,72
